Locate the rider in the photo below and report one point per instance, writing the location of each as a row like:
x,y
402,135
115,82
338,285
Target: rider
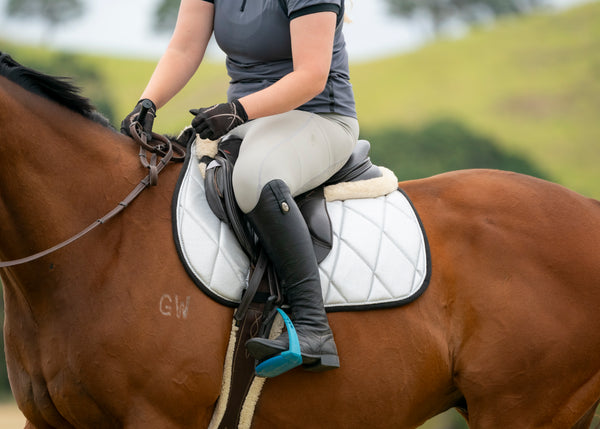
x,y
291,102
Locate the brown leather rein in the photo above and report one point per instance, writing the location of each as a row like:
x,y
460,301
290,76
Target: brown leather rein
x,y
158,146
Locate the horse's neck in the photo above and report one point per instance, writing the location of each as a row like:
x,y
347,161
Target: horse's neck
x,y
56,172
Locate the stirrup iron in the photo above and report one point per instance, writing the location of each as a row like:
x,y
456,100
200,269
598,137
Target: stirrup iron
x,y
286,360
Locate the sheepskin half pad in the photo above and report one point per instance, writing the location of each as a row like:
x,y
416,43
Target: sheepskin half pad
x,y
380,255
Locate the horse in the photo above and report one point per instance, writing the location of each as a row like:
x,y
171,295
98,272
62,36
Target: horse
x,y
508,331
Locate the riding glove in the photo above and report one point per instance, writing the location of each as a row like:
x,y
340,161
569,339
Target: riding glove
x,y
216,121
147,121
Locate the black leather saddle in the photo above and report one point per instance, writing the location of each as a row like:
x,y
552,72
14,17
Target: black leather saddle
x,y
219,194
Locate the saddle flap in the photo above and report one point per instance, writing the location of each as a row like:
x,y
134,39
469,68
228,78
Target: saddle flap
x,y
313,207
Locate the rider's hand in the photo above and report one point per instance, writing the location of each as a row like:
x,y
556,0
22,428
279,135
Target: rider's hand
x,y
216,121
148,121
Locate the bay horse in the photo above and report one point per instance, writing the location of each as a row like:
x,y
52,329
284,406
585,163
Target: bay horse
x,y
508,331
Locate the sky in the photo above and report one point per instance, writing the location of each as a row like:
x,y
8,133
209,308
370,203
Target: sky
x,y
123,28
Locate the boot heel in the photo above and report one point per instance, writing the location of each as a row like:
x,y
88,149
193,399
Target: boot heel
x,y
324,363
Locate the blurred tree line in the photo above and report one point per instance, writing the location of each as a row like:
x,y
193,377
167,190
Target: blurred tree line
x,y
439,12
51,12
442,12
441,145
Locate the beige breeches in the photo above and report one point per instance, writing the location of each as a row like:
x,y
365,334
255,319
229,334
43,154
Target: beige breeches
x,y
301,148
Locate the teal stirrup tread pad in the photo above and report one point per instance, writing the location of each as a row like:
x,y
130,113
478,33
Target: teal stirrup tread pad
x,y
286,360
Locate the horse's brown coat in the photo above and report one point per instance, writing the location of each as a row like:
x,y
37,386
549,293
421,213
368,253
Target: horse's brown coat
x,y
509,326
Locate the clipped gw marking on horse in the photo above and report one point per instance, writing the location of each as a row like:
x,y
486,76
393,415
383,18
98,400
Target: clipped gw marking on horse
x,y
174,306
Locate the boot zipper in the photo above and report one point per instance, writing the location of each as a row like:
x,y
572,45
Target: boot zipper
x,y
243,6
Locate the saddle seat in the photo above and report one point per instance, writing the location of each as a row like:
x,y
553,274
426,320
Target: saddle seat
x,y
358,166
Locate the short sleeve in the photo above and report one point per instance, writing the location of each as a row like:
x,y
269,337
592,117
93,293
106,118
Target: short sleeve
x,y
296,8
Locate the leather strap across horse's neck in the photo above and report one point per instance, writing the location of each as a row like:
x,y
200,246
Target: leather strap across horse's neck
x,y
163,148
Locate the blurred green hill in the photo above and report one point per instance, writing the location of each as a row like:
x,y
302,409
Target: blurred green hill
x,y
532,85
522,94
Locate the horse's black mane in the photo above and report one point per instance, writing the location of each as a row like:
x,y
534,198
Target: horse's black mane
x,y
58,89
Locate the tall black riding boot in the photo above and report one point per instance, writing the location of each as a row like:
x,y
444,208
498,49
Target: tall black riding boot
x,y
285,237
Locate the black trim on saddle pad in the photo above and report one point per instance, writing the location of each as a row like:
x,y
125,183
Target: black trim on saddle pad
x,y
331,309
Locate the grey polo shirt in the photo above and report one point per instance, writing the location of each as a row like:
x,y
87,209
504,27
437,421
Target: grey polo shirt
x,y
255,35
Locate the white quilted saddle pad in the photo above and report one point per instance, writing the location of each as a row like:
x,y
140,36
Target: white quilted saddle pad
x,y
380,255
